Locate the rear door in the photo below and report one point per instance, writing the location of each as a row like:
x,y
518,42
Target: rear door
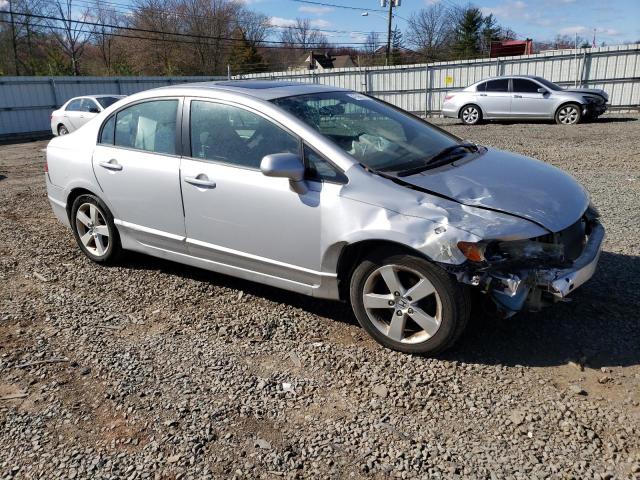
x,y
495,100
527,101
137,165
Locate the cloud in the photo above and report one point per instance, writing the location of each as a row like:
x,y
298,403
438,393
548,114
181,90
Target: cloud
x,y
289,22
509,9
576,29
4,4
315,10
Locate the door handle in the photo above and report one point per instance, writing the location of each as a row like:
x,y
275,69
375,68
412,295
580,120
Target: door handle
x,y
111,165
483,94
517,96
200,182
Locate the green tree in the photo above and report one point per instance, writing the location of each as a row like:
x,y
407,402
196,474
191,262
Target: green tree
x,y
468,33
244,56
397,46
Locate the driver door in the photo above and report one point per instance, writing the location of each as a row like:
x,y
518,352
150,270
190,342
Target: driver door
x,y
237,217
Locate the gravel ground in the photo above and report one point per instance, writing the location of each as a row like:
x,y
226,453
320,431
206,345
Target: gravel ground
x,y
157,370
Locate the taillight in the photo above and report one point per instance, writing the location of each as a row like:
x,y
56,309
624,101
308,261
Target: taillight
x,y
46,167
449,97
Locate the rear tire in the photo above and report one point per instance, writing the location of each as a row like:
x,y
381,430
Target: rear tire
x,y
470,114
62,130
569,114
408,304
94,230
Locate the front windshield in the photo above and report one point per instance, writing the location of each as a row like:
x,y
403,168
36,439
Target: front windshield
x,y
376,135
549,84
107,101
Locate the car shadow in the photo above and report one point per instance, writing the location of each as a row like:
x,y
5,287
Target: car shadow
x,y
599,327
2,177
613,120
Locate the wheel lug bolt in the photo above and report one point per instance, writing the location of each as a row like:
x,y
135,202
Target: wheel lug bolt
x,y
391,303
410,310
397,294
399,312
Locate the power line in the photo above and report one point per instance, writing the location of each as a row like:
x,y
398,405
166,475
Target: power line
x,y
338,6
176,34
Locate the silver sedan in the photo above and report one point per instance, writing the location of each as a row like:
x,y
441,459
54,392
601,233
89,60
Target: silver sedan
x,y
326,192
524,98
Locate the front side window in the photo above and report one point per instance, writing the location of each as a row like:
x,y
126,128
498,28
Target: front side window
x,y
525,86
501,85
74,105
373,133
89,105
229,134
149,126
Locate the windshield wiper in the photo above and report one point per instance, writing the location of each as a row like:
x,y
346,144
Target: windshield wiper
x,y
442,154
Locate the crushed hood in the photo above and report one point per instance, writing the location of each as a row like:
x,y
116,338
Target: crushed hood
x,y
588,91
509,183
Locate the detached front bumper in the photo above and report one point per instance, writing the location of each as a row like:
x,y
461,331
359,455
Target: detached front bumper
x,y
529,288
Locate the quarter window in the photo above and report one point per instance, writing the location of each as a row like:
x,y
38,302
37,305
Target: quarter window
x,y
74,106
107,133
525,86
149,126
501,85
481,87
232,135
320,169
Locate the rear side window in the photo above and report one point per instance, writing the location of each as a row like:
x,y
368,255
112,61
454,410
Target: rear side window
x,y
108,131
501,85
107,101
525,86
149,126
74,106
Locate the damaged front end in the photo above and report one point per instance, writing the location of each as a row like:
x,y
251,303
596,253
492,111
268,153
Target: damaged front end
x,y
528,274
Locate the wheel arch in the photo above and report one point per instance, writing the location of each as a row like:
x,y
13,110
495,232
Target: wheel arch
x,y
349,255
564,103
75,193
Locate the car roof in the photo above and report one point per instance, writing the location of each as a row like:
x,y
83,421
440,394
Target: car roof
x,y
262,89
506,77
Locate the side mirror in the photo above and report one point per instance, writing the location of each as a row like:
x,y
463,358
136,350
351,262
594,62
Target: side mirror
x,y
542,90
285,165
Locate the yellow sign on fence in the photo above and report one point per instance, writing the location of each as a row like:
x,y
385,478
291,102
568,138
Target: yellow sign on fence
x,y
448,80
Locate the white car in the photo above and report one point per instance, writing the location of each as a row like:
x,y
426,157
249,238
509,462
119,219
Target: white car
x,y
78,111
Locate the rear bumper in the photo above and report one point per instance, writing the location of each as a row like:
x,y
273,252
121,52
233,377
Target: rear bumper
x,y
449,111
57,199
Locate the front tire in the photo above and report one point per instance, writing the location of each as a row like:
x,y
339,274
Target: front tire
x,y
470,115
569,114
408,304
94,230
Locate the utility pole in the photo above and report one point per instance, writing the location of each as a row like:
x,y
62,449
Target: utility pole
x,y
13,38
391,2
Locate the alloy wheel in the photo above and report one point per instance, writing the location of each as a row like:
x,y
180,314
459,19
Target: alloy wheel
x,y
470,115
402,303
93,230
568,115
62,130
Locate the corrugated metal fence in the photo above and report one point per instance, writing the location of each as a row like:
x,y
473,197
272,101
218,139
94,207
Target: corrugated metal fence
x,y
27,102
421,88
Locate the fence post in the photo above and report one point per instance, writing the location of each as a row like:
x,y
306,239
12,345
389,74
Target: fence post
x,y
427,92
365,80
54,89
497,66
119,86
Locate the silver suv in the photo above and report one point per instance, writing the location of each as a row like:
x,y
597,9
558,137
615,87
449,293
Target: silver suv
x,y
524,97
325,192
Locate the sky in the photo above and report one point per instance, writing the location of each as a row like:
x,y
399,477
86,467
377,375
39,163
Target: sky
x,y
615,21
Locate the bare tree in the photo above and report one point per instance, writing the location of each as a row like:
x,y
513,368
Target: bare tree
x,y
431,30
302,35
103,35
67,28
256,27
